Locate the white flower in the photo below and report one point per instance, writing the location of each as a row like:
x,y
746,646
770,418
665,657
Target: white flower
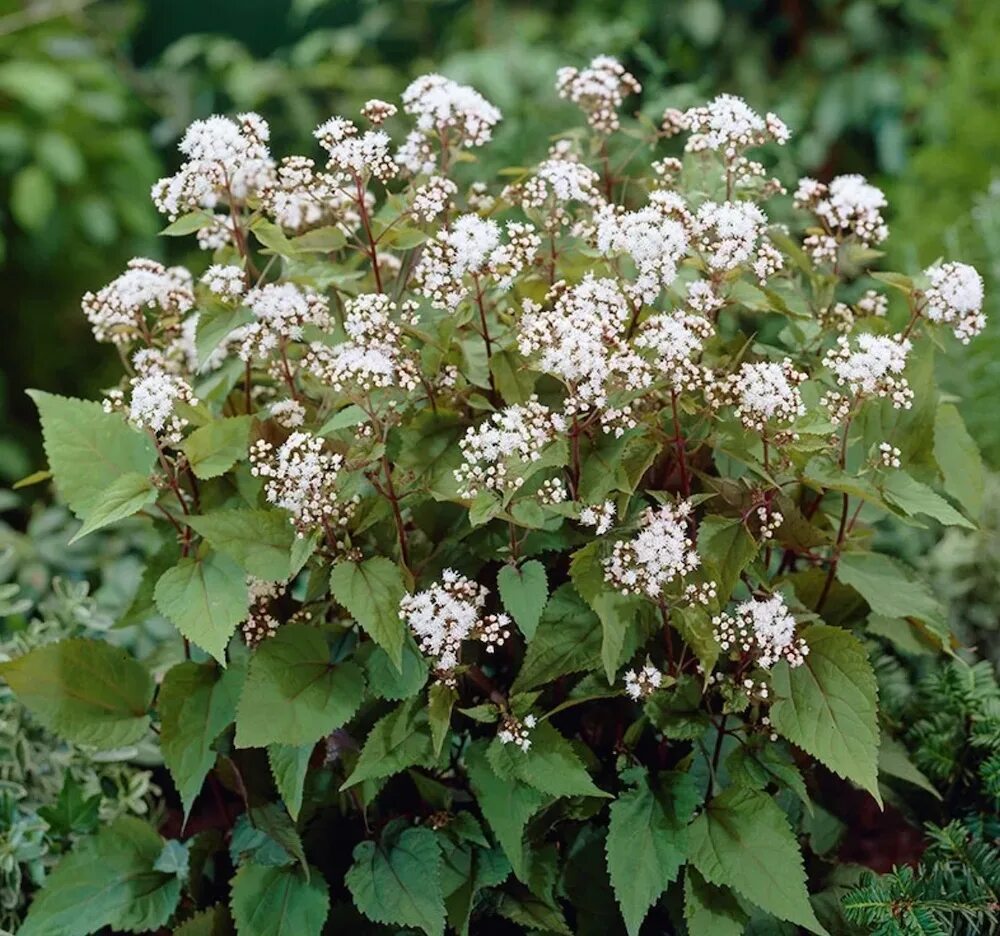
x,y
301,478
728,232
288,413
763,628
640,684
873,368
449,612
154,393
281,312
496,452
601,517
763,392
659,553
599,90
676,338
515,731
355,154
433,197
848,205
300,198
729,125
117,313
377,112
955,297
226,282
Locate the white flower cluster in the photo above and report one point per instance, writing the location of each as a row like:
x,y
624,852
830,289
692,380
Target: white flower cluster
x,y
449,612
654,237
515,731
642,683
281,311
727,125
301,478
154,393
578,339
763,628
658,554
728,233
564,180
300,198
873,367
225,281
117,313
373,356
377,112
598,90
433,197
455,113
848,206
260,623
600,516
676,338
227,160
356,154
763,392
955,297
473,247
889,455
496,451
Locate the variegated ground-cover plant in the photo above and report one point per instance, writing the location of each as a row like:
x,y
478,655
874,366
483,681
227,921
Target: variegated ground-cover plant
x,y
518,534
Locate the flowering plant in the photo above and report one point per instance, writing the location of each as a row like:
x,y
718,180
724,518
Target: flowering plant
x,y
519,536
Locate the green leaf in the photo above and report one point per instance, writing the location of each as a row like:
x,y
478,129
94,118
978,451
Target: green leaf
x,y
271,901
387,681
710,910
890,588
125,496
214,448
371,591
187,224
549,765
72,814
352,415
205,598
211,922
399,740
568,640
742,840
757,767
958,457
828,705
912,497
196,703
86,691
214,326
89,450
289,766
514,383
894,761
507,805
728,549
524,592
106,881
440,701
33,197
397,881
645,847
294,694
261,541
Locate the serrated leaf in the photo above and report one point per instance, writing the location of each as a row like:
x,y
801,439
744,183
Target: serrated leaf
x,y
289,766
958,457
506,805
549,765
86,691
524,591
728,549
126,495
890,588
108,880
272,901
214,326
742,840
914,498
261,541
828,705
399,740
397,881
196,703
710,910
371,591
645,848
568,640
387,681
88,450
215,447
211,922
440,701
894,761
204,598
294,694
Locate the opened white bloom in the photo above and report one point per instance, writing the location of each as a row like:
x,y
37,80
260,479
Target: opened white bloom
x,y
281,312
765,629
498,452
676,338
598,90
447,613
660,553
374,355
226,282
353,153
302,479
301,198
227,160
873,367
955,297
727,233
433,197
514,731
849,205
642,683
764,392
729,125
600,516
117,313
